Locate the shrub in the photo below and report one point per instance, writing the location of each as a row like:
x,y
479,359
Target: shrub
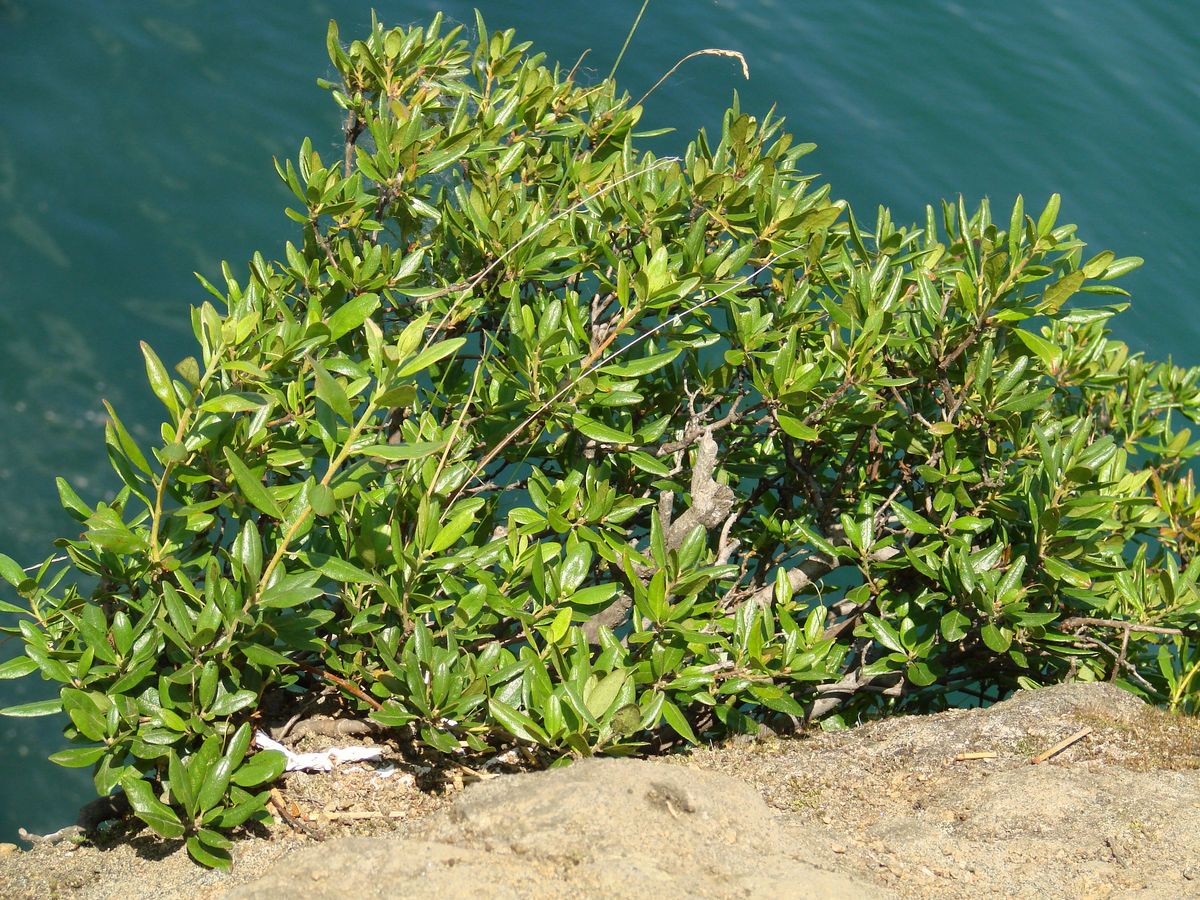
x,y
537,438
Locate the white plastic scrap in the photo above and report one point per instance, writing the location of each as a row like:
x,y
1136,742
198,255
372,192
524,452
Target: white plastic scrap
x,y
323,761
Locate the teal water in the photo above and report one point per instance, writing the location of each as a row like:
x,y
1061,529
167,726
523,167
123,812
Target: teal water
x,y
136,143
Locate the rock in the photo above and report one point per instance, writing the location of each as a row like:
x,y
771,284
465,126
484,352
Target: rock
x,y
600,828
884,807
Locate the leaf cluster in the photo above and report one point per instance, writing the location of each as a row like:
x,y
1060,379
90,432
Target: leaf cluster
x,y
536,438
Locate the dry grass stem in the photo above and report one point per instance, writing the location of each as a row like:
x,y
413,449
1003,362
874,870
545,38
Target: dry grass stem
x,y
1060,746
710,51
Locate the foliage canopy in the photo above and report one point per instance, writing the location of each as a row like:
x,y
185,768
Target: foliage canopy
x,y
538,438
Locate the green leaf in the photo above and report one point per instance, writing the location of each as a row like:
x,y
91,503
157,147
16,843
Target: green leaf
x,y
997,639
1061,571
883,632
594,595
125,441
576,567
352,314
1047,352
173,452
954,626
429,356
329,390
626,719
228,704
648,463
797,429
562,622
214,858
604,694
1049,216
180,783
1015,229
87,714
397,452
234,403
817,220
598,431
1119,267
920,674
251,487
449,533
263,767
673,717
401,395
150,809
320,497
291,590
119,540
247,550
1061,291
160,380
516,722
212,791
214,839
264,656
17,667
32,710
341,570
77,757
10,571
913,521
71,501
639,367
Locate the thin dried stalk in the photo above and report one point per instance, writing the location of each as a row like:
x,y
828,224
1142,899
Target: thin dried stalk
x,y
710,51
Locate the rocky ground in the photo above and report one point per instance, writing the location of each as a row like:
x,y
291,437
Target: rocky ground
x,y
937,806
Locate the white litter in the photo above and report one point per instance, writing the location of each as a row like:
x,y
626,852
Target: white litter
x,y
324,761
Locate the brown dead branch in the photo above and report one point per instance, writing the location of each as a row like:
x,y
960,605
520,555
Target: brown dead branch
x,y
971,757
1060,746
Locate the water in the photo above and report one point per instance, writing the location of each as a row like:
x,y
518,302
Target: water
x,y
136,143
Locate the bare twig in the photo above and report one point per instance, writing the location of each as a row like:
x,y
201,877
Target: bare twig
x,y
697,428
1060,746
970,757
575,68
483,273
710,51
1084,621
592,365
294,822
340,682
809,570
57,559
1118,660
725,546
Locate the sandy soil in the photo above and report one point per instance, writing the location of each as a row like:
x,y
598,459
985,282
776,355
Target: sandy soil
x,y
883,810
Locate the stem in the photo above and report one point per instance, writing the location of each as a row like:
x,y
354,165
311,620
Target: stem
x,y
628,38
1184,682
160,488
290,534
595,359
334,465
483,273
